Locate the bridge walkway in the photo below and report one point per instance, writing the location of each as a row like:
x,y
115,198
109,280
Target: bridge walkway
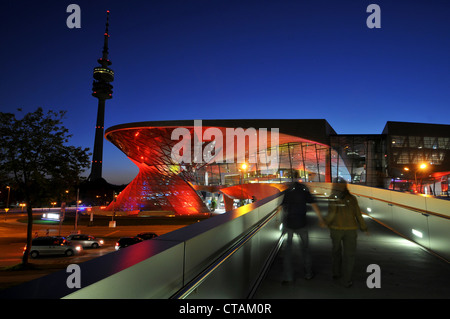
x,y
407,270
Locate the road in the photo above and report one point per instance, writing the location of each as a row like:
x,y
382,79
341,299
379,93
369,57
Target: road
x,y
13,240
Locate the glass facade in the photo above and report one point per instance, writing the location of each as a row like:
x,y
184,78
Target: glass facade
x,y
359,159
304,161
177,162
206,164
408,150
418,157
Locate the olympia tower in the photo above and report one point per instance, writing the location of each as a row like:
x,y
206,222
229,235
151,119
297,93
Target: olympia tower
x,y
102,90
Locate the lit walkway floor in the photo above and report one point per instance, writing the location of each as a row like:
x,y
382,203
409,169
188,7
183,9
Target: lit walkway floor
x,y
407,270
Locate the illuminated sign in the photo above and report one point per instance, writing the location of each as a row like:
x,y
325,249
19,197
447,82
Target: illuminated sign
x,y
50,216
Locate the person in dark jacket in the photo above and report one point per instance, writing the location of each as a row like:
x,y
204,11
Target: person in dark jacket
x,y
294,204
344,219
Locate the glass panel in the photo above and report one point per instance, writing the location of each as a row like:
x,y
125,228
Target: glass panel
x,y
415,141
429,142
397,141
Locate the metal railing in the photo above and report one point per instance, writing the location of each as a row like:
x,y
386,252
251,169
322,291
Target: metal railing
x,y
229,251
197,281
227,255
422,219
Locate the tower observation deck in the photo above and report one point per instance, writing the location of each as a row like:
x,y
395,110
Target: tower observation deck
x,y
102,90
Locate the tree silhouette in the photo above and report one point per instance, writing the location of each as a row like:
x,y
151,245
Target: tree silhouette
x,y
35,158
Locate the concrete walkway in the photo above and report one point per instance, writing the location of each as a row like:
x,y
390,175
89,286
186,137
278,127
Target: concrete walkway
x,y
407,270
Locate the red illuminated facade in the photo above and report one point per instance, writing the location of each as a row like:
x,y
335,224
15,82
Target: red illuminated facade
x,y
165,184
180,160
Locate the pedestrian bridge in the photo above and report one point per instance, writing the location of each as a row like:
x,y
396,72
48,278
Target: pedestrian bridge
x,y
239,255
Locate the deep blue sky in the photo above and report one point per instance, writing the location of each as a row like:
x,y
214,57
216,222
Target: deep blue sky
x,y
225,59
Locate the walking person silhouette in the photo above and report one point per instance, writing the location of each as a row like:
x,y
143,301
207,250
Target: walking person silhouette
x,y
294,204
344,219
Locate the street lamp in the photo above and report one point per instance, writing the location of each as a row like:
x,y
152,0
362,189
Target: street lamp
x,y
421,167
243,169
7,201
242,177
76,210
112,223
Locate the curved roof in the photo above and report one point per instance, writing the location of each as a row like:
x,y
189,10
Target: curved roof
x,y
153,142
317,130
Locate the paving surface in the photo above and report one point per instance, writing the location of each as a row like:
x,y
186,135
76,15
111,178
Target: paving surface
x,y
407,270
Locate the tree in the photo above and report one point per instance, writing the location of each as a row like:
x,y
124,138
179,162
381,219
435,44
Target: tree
x,y
35,157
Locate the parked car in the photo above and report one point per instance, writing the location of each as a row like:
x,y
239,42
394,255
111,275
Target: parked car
x,y
127,241
53,245
146,236
87,241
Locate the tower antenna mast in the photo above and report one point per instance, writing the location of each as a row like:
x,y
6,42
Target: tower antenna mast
x,y
102,90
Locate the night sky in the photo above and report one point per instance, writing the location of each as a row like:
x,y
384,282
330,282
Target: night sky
x,y
226,59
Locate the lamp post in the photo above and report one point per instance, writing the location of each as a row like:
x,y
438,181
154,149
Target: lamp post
x,y
421,167
76,210
7,201
242,170
112,223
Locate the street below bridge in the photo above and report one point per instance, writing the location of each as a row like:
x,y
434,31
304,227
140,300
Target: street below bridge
x,y
13,230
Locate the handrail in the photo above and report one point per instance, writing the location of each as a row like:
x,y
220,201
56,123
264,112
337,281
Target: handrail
x,y
194,283
433,231
418,210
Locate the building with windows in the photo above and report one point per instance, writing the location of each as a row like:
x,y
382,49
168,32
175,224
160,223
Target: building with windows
x,y
419,156
182,163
